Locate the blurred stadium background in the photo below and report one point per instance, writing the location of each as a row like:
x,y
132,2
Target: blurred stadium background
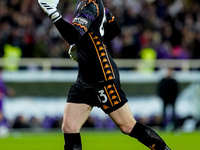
x,y
156,35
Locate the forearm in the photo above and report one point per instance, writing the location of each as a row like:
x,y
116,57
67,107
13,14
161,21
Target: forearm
x,y
68,31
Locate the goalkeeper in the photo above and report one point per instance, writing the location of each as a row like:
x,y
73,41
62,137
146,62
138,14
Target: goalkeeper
x,y
98,82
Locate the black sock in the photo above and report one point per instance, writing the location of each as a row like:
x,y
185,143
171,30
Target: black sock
x,y
148,137
72,141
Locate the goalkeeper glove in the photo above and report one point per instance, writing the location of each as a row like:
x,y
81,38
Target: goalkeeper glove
x,y
72,52
49,7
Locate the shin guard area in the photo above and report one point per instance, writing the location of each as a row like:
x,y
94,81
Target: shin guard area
x,y
148,137
72,141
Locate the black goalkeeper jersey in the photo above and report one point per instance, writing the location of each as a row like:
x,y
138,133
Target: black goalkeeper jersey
x,y
95,64
93,26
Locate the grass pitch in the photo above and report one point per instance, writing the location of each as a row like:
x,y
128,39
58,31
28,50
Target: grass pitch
x,y
95,140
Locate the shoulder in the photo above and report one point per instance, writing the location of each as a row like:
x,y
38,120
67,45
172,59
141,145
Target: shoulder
x,y
109,15
90,6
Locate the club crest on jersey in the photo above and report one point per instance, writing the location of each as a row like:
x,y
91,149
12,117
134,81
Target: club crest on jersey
x,y
80,20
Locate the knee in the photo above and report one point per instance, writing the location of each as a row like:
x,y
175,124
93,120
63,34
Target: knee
x,y
70,128
126,128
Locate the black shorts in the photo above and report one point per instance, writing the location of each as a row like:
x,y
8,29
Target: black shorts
x,y
107,95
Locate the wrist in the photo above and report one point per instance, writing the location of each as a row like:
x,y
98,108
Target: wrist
x,y
55,16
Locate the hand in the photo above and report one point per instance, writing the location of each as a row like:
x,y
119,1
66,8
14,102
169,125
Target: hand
x,y
50,8
72,52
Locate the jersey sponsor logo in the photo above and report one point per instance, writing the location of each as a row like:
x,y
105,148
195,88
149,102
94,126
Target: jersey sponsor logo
x,y
105,107
108,72
110,78
109,86
100,48
106,66
114,97
116,102
111,92
152,147
80,20
105,60
103,54
98,43
95,38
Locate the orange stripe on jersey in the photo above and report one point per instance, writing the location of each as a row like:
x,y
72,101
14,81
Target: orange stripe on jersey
x,y
117,92
108,96
98,57
112,19
109,62
80,26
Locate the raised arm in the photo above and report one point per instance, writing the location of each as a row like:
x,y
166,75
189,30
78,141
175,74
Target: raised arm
x,y
81,23
68,31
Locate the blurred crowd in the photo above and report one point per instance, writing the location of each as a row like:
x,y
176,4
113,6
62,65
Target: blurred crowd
x,y
161,29
187,124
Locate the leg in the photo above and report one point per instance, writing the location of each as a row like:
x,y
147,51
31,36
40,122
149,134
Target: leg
x,y
74,117
124,120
